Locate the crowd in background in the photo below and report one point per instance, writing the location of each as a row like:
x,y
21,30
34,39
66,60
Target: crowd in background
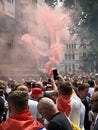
x,y
62,104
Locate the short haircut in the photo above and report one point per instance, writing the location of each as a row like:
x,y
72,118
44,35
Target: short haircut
x,y
38,84
28,84
18,100
95,94
23,88
2,85
96,88
83,86
91,83
45,101
65,88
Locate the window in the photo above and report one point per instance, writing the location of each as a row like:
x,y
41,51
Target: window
x,y
66,46
66,56
73,66
84,54
73,56
69,67
69,56
65,67
74,45
69,45
84,46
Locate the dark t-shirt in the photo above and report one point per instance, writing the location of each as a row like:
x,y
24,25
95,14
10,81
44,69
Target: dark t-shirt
x,y
59,122
87,123
1,108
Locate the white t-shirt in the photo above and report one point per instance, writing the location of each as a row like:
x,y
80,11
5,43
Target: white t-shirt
x,y
82,116
76,105
33,109
96,119
91,91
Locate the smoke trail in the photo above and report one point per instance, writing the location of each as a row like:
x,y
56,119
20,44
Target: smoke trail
x,y
44,29
54,25
55,21
3,6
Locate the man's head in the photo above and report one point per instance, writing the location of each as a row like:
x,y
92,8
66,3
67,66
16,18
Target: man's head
x,y
91,83
83,90
96,81
65,88
39,85
17,102
46,108
23,88
37,93
2,86
28,84
96,88
94,102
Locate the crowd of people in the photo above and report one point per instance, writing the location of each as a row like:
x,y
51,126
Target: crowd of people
x,y
69,102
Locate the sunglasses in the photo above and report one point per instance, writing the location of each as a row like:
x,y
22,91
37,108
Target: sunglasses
x,y
94,101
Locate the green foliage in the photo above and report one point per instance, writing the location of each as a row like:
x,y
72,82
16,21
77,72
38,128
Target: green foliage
x,y
88,20
51,3
90,61
69,3
89,9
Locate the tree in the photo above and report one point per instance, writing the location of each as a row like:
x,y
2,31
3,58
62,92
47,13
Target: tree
x,y
87,20
51,3
91,59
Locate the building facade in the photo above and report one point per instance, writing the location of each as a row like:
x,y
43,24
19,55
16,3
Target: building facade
x,y
20,60
15,57
72,59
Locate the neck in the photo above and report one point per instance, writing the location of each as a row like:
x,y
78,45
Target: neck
x,y
52,114
82,98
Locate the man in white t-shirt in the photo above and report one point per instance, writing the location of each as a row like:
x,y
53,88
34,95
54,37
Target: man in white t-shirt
x,y
76,109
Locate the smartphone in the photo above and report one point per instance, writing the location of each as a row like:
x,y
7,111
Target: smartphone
x,y
55,74
49,80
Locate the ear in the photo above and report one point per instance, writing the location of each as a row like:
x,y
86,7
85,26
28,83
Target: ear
x,y
46,108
